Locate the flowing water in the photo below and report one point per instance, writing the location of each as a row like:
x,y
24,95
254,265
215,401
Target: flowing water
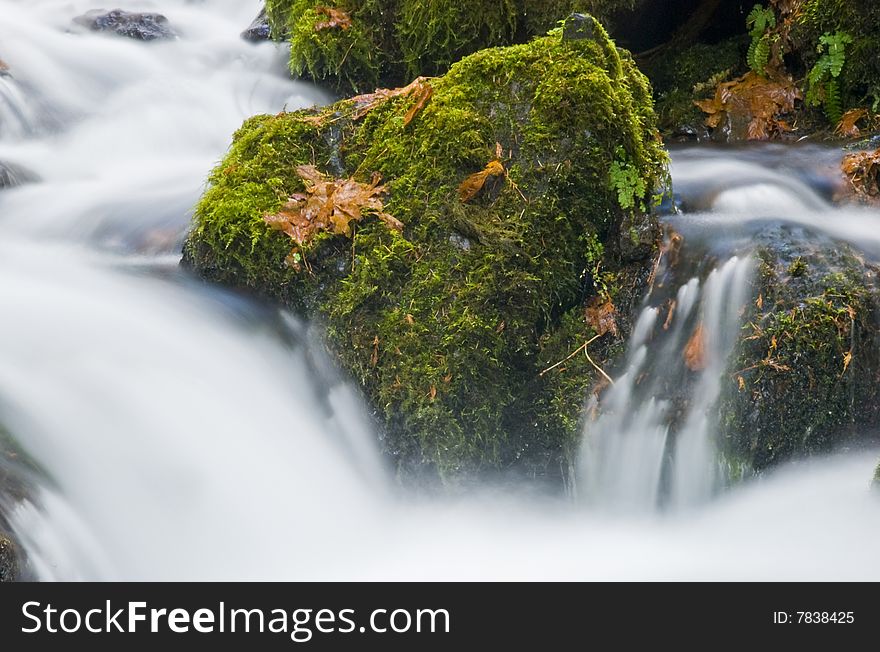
x,y
177,431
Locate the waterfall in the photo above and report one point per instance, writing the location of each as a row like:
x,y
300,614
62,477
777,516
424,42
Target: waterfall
x,y
629,456
174,430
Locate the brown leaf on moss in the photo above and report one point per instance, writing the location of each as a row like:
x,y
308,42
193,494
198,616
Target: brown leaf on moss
x,y
433,392
862,169
848,126
756,101
472,186
335,18
363,104
374,358
602,317
847,359
695,350
423,94
329,205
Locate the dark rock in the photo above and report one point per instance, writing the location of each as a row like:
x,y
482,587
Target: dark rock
x,y
259,30
12,175
140,26
9,565
579,27
804,376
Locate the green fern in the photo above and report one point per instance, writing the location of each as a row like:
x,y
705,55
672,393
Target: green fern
x,y
759,21
822,80
625,179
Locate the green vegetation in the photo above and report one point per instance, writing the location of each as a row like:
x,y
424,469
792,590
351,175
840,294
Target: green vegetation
x,y
448,325
759,21
801,380
366,42
823,88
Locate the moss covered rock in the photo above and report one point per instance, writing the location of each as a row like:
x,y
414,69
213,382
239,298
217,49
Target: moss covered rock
x,y
9,567
448,324
359,43
806,375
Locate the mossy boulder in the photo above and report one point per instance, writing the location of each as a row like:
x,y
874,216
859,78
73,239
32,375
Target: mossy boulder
x,y
448,324
805,377
9,567
358,44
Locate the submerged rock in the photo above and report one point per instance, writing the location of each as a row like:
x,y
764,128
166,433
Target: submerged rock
x,y
805,377
259,29
12,175
140,26
512,176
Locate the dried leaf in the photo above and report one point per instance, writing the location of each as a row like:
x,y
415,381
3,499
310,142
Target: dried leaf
x,y
602,317
447,378
329,205
847,359
848,126
472,186
374,359
423,95
672,304
410,319
363,104
756,101
433,392
863,171
335,18
695,350
741,383
759,302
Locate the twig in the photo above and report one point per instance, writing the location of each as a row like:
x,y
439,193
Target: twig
x,y
598,368
582,347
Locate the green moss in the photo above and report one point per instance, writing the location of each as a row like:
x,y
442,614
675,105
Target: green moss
x,y
802,379
682,76
9,567
395,40
448,325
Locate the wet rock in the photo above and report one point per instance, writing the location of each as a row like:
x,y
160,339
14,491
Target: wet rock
x,y
259,30
140,26
579,27
805,376
12,176
9,566
449,323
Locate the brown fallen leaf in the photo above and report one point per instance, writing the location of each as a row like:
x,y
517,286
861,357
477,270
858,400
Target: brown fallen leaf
x,y
759,302
862,169
848,125
672,304
741,382
335,18
695,350
363,104
760,102
847,359
374,359
602,317
423,93
410,319
329,205
433,392
472,186
447,378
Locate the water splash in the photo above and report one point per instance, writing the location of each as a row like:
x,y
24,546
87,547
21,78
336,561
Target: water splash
x,y
630,459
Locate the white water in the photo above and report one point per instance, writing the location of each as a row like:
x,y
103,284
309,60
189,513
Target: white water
x,y
625,450
188,436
